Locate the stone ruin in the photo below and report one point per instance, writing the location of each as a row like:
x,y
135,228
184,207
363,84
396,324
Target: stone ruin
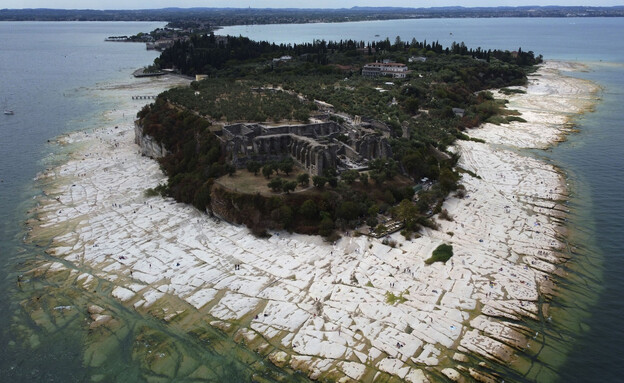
x,y
315,147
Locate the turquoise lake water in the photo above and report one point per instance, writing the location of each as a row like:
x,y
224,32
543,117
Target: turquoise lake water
x,y
47,68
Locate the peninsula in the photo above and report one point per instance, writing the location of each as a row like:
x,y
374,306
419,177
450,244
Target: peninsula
x,y
380,306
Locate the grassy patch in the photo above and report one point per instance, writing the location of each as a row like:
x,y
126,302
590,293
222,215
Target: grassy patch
x,y
392,299
248,183
479,140
442,254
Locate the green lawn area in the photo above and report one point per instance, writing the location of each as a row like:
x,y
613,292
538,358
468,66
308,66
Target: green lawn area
x,y
246,182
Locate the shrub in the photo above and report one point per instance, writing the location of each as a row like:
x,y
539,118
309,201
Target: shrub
x,y
444,214
158,190
442,254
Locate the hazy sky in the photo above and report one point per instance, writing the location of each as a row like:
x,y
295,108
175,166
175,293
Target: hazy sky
x,y
143,4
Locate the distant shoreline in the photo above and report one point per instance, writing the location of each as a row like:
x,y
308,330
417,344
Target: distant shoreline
x,y
249,16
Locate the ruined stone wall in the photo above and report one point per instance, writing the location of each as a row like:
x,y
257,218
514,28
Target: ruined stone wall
x,y
351,154
372,146
307,152
308,130
311,145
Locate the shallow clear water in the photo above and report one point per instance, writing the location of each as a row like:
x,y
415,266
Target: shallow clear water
x,y
594,159
48,72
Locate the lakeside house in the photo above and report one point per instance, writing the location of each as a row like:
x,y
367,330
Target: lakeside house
x,y
396,70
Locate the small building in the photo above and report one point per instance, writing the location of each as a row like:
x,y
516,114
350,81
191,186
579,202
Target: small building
x,y
396,70
282,59
199,77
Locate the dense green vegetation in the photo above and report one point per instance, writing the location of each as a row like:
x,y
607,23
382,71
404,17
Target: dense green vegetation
x,y
423,114
233,100
195,158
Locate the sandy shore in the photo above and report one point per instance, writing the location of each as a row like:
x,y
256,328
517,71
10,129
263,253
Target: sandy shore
x,y
323,308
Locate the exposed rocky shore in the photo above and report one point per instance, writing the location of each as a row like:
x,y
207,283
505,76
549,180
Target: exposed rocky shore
x,y
353,310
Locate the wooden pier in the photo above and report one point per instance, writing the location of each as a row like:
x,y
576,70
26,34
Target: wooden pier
x,y
144,97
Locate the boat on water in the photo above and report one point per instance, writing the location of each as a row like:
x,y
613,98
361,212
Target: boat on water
x,y
7,112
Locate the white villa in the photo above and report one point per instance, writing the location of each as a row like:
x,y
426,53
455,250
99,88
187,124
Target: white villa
x,y
396,70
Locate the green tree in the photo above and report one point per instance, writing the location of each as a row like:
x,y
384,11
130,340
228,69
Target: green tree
x,y
448,180
349,176
283,215
276,184
267,170
389,197
332,181
411,105
303,179
202,198
330,172
326,227
364,178
377,176
348,211
231,169
286,166
254,167
289,186
319,181
407,212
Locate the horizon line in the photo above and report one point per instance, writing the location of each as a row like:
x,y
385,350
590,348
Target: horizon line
x,y
310,9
